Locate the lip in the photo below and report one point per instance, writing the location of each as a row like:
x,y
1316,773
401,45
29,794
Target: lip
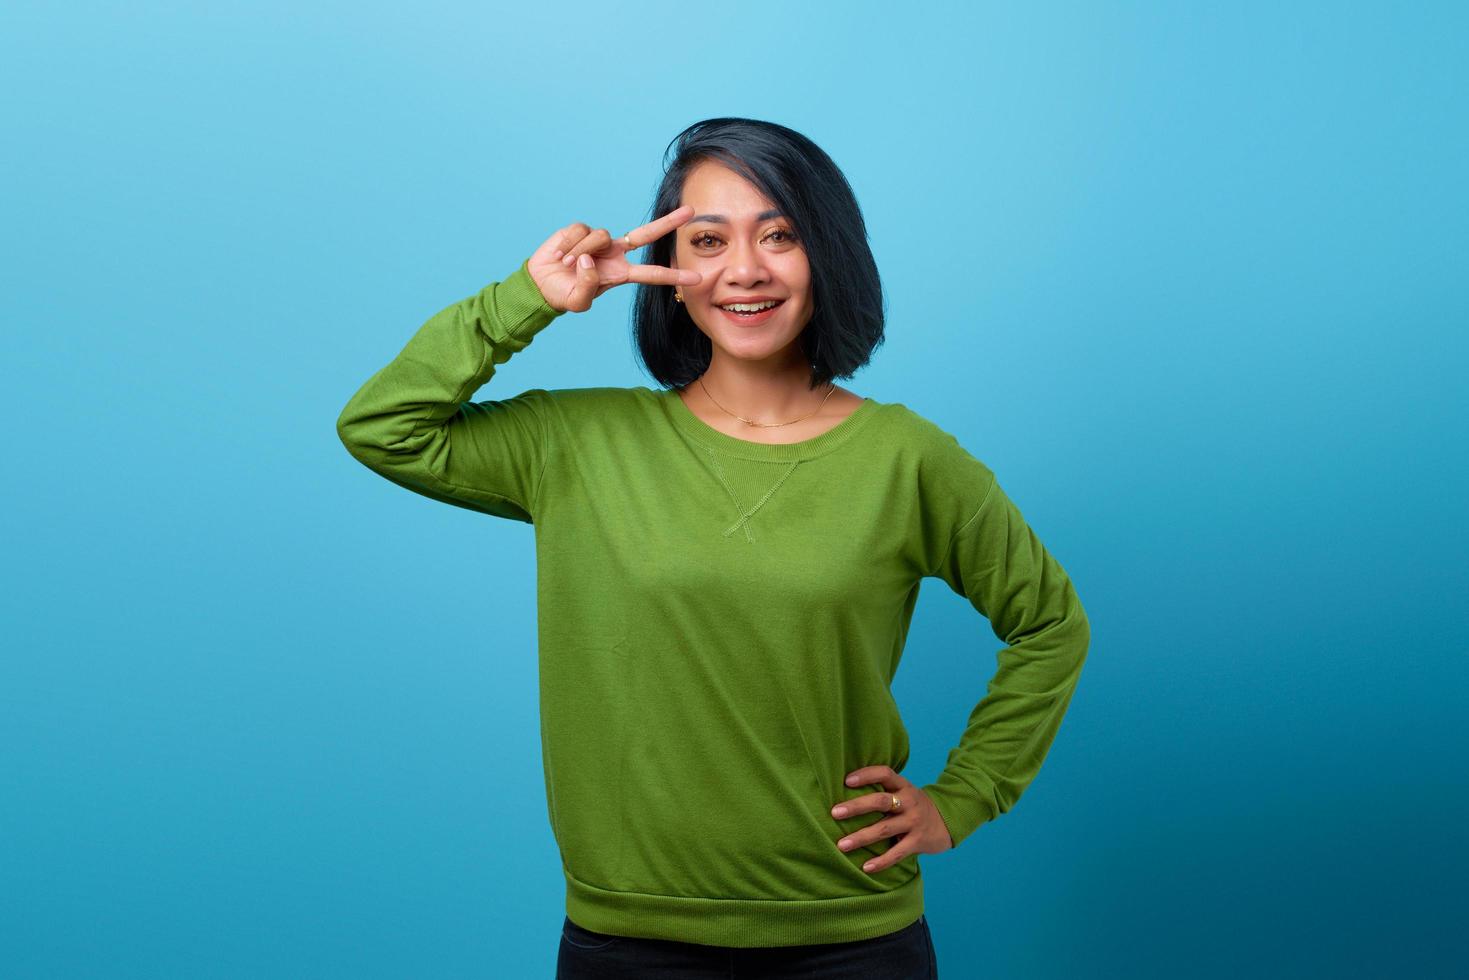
x,y
748,299
749,321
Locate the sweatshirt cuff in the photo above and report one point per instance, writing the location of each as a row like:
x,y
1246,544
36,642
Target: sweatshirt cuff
x,y
962,810
521,305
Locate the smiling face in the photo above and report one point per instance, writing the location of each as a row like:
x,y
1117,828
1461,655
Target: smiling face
x,y
745,249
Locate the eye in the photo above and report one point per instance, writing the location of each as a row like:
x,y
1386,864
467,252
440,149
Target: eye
x,y
786,235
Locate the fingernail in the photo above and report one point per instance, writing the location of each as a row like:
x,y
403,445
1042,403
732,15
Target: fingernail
x,y
869,865
558,253
840,811
585,260
844,844
851,780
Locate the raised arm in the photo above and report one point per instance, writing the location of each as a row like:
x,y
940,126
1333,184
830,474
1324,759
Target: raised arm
x,y
411,423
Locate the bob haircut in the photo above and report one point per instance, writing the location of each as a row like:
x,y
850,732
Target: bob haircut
x,y
794,173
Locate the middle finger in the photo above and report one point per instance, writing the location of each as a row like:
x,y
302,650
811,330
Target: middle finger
x,y
868,802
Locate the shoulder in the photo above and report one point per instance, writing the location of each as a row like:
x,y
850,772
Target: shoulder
x,y
603,407
584,399
933,442
946,468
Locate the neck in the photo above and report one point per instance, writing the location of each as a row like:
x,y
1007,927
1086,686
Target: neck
x,y
766,396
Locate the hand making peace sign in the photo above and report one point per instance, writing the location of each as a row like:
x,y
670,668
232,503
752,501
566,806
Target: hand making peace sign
x,y
578,263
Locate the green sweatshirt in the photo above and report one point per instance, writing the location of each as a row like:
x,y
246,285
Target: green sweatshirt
x,y
719,625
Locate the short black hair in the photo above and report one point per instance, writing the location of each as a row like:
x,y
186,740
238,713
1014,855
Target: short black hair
x,y
797,175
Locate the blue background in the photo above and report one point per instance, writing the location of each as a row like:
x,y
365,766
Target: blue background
x,y
1191,281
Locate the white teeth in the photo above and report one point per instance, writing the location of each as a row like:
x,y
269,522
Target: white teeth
x,y
749,307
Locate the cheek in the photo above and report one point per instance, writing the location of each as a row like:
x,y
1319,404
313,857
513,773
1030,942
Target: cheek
x,y
797,273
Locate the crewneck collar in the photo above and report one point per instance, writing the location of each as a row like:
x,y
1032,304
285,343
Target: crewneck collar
x,y
706,435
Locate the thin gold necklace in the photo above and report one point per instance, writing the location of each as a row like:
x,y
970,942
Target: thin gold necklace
x,y
768,425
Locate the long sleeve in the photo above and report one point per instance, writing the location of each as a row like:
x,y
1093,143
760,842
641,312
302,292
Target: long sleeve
x,y
410,422
996,561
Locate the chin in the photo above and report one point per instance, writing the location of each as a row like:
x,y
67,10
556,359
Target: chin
x,y
753,348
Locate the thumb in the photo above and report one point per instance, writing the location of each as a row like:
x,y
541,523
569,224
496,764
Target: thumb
x,y
585,290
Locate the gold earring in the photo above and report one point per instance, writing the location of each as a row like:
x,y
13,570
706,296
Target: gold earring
x,y
677,298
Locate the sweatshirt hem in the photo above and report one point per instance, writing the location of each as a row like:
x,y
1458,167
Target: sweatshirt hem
x,y
744,922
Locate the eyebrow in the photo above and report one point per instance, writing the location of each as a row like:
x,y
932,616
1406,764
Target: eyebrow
x,y
722,220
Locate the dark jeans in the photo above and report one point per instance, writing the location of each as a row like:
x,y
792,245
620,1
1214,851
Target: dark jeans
x,y
903,955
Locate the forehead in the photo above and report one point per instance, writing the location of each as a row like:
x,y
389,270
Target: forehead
x,y
715,191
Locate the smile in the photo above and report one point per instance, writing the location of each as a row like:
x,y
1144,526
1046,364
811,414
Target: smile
x,y
749,314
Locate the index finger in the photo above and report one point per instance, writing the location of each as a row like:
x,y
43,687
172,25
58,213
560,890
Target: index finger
x,y
662,275
656,229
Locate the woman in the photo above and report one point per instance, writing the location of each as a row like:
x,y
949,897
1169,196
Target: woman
x,y
727,566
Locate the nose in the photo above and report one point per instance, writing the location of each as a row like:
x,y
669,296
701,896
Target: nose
x,y
746,264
